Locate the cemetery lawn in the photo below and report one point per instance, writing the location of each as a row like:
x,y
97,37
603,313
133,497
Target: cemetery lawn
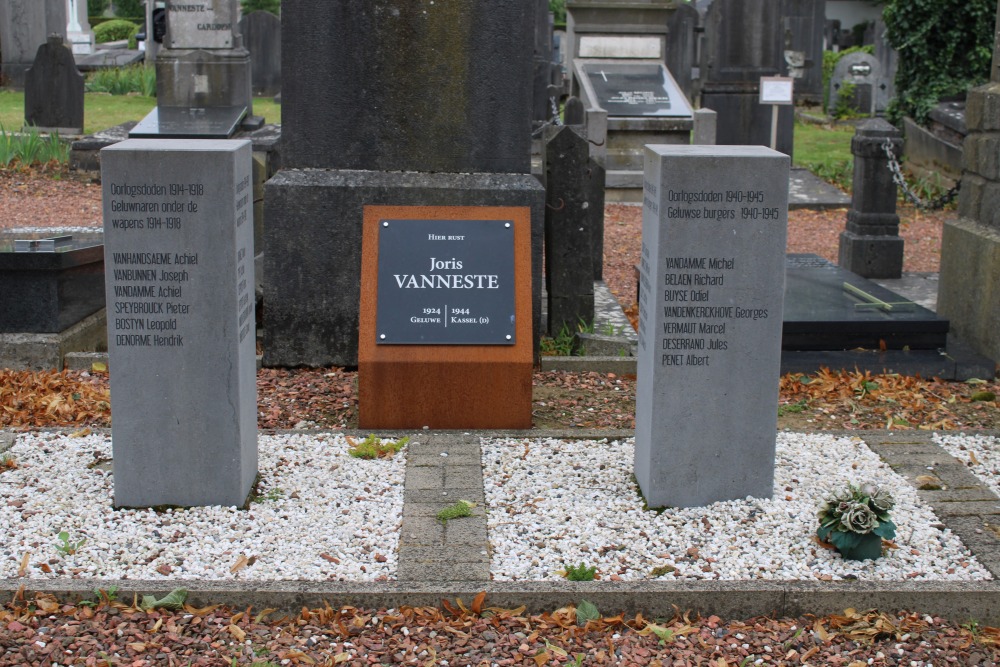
x,y
101,110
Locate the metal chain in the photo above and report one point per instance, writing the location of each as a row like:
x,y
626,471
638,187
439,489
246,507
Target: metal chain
x,y
555,111
553,121
897,177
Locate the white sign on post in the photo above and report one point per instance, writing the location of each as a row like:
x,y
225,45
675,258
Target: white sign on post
x,y
776,91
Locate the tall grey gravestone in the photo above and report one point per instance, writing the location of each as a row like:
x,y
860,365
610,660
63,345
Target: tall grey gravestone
x,y
24,26
178,235
712,277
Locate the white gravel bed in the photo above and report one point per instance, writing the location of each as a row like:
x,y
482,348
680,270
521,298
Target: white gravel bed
x,y
554,503
322,515
980,453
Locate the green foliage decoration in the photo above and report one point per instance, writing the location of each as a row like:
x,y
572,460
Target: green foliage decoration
x,y
273,6
97,7
945,47
114,30
853,512
134,79
558,9
581,572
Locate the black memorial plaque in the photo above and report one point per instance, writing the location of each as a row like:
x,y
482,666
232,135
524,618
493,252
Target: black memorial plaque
x,y
635,89
445,282
189,123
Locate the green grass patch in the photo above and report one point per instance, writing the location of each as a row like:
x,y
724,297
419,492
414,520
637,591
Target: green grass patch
x,y
825,150
101,110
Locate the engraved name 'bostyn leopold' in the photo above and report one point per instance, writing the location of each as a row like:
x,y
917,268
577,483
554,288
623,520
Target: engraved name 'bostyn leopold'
x,y
433,280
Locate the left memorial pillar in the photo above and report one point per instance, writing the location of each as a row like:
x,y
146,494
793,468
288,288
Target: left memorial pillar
x,y
178,240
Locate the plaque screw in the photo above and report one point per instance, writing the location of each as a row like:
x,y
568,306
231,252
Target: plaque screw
x,y
385,224
508,336
381,337
507,225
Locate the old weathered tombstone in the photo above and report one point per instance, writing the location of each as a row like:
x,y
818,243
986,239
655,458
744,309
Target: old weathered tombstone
x,y
53,90
262,36
710,312
415,104
542,65
178,234
682,48
888,60
857,83
748,39
871,246
970,245
24,26
202,74
569,274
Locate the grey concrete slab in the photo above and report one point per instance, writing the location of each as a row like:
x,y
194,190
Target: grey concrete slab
x,y
458,554
445,498
424,478
6,441
446,571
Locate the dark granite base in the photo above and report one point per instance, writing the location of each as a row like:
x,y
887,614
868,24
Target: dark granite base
x,y
821,314
48,292
312,267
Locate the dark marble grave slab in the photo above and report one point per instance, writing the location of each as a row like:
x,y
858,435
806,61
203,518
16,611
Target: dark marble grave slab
x,y
820,313
49,291
635,89
189,123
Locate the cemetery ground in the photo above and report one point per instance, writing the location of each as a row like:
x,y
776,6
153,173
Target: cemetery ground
x,y
109,629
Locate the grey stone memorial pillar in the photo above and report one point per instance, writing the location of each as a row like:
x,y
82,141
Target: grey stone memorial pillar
x,y
712,272
871,246
178,234
414,103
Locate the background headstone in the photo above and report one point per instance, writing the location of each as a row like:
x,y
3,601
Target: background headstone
x,y
859,76
53,90
24,26
682,49
178,233
202,74
710,315
262,37
748,39
569,274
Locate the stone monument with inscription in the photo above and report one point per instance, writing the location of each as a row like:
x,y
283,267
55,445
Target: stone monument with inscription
x,y
178,233
202,74
415,103
712,279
